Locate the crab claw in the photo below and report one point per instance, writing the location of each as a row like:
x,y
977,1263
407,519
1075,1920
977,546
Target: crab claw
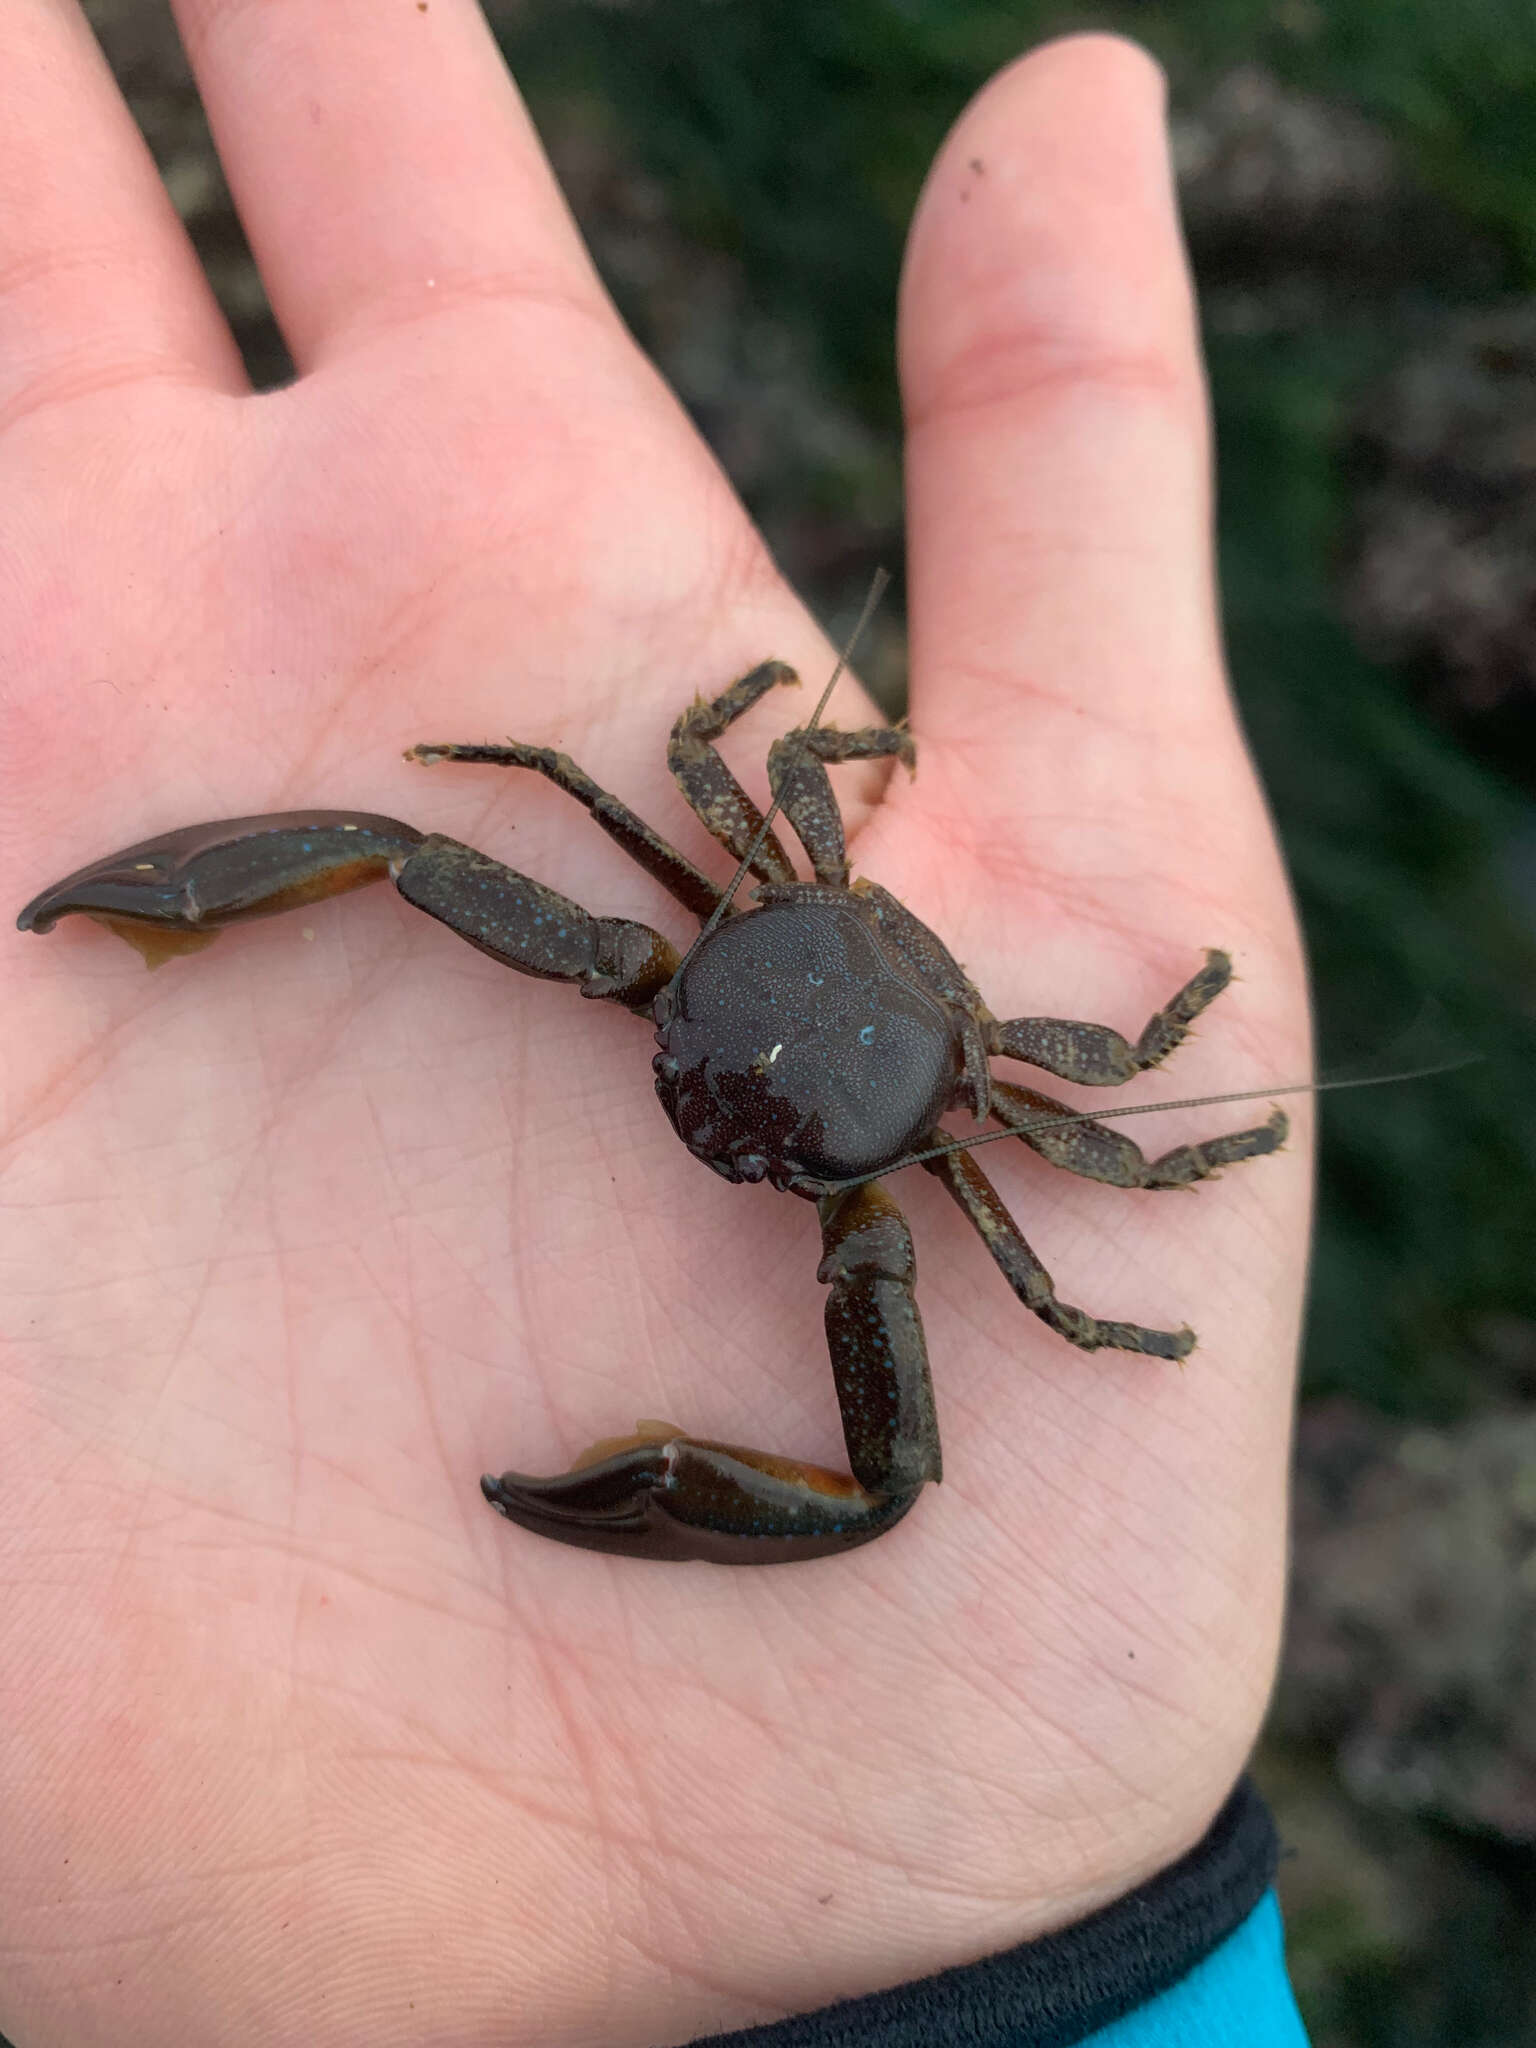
x,y
175,894
680,1498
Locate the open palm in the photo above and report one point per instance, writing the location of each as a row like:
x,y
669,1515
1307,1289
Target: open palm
x,y
298,1742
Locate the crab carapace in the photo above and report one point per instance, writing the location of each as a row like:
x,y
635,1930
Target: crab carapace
x,y
813,1040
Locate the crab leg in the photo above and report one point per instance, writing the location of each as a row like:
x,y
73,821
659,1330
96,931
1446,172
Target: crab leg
x,y
797,773
675,872
1029,1279
723,806
1094,1054
524,925
1096,1152
176,893
664,1494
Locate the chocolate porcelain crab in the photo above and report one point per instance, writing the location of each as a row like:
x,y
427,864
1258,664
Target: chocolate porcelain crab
x,y
813,1040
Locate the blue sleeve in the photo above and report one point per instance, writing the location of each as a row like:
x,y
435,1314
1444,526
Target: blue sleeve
x,y
1239,1997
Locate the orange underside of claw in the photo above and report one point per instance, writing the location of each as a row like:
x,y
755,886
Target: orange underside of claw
x,y
791,1471
156,942
647,1431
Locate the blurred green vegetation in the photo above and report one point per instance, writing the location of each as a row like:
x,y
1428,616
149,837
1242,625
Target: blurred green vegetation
x,y
1397,843
798,134
793,137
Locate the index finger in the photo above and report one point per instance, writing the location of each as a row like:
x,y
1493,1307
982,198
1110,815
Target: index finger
x,y
99,284
382,161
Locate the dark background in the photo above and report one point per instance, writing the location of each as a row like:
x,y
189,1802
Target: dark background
x,y
1359,186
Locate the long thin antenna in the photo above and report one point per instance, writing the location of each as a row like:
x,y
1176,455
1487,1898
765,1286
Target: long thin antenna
x,y
877,589
1102,1116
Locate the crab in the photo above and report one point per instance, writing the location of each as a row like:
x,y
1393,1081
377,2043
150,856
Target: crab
x,y
813,1041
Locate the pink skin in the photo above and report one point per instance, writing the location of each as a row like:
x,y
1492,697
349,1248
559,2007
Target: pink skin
x,y
298,1742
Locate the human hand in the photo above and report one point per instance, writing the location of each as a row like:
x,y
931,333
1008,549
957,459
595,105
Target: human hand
x,y
298,1742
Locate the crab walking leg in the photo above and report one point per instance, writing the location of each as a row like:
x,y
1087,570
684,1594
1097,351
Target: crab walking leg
x,y
1029,1279
712,791
1098,1153
675,872
797,773
663,1494
176,893
1097,1056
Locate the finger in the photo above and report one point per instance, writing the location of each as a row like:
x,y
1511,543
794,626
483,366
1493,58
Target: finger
x,y
381,160
1057,451
98,281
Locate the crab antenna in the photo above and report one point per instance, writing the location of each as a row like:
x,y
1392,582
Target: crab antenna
x,y
877,589
1102,1116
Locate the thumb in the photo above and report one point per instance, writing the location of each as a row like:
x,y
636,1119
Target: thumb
x,y
1060,589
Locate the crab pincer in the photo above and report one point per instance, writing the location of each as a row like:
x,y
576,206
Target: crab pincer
x,y
175,893
682,1498
664,1494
